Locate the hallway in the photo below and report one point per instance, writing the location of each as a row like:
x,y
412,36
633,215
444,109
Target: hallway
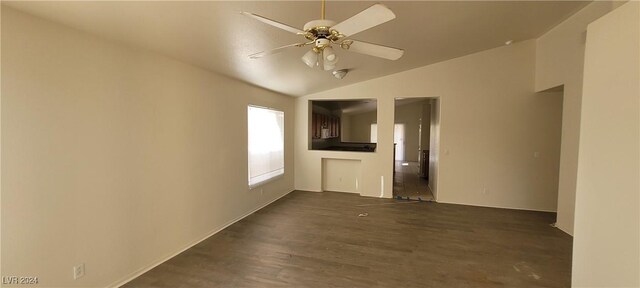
x,y
408,183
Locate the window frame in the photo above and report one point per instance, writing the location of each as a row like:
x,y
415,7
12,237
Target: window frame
x,y
277,176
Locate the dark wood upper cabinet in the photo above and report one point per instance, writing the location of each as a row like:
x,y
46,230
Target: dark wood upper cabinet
x,y
320,122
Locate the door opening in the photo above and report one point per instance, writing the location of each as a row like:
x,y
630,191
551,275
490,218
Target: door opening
x,y
415,142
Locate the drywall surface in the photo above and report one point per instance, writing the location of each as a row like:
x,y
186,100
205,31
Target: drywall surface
x,y
559,61
340,175
117,158
345,128
409,115
434,151
489,125
1,213
359,129
425,132
606,247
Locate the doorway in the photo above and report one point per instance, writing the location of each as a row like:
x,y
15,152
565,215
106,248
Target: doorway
x,y
415,138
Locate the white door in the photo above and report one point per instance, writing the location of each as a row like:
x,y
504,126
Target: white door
x,y
398,139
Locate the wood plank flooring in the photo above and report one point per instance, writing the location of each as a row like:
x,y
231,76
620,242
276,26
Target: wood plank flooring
x,y
408,183
309,239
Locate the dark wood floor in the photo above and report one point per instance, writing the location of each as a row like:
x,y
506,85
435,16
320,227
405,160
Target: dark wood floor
x,y
309,239
408,183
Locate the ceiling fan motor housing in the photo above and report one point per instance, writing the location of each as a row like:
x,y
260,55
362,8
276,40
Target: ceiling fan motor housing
x,y
322,42
320,29
319,24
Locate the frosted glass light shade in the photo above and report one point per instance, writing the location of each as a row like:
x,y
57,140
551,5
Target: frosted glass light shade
x,y
329,55
310,58
328,66
329,58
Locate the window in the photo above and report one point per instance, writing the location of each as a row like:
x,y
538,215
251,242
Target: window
x,y
266,144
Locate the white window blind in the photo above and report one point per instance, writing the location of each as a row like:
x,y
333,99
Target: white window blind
x,y
266,144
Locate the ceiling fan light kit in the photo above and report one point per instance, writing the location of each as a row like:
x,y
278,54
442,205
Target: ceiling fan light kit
x,y
323,33
340,73
310,58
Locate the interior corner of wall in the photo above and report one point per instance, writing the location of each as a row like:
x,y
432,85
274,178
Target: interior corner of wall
x,y
564,228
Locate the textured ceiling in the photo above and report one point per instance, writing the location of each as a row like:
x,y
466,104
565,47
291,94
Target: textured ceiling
x,y
216,37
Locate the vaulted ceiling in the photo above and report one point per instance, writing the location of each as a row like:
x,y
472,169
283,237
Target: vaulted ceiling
x,y
216,37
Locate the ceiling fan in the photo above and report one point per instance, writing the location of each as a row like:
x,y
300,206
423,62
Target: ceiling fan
x,y
323,33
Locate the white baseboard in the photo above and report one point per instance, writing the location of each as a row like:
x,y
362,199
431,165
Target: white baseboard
x,y
139,272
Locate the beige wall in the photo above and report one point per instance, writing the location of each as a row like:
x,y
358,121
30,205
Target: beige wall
x,y
559,61
606,247
359,129
425,125
434,146
341,175
409,115
345,128
489,128
117,158
2,213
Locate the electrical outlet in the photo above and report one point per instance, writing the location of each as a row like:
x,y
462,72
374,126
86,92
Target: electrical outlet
x,y
536,154
78,271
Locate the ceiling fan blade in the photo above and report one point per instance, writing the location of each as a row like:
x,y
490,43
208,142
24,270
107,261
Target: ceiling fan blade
x,y
274,51
373,49
368,18
273,23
